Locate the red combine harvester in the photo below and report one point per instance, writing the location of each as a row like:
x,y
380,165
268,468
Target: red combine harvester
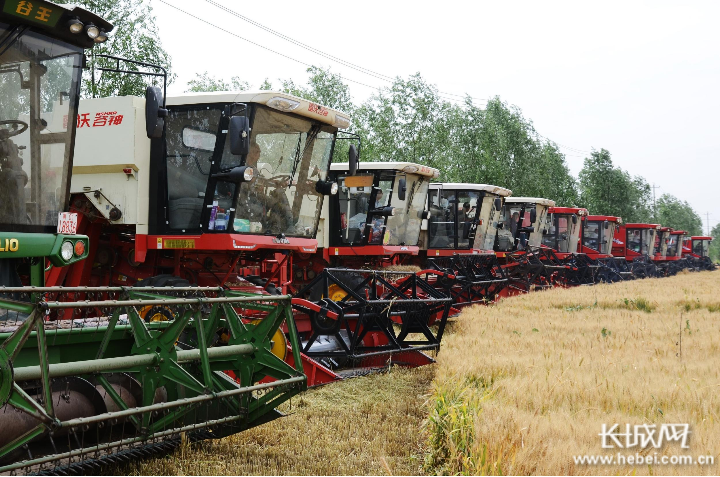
x,y
368,231
457,239
668,256
596,241
697,252
561,241
636,244
519,241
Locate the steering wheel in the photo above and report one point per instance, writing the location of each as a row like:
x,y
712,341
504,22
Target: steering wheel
x,y
14,132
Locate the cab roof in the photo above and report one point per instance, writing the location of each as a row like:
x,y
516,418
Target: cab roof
x,y
294,104
701,237
501,191
643,226
409,167
609,218
569,210
530,200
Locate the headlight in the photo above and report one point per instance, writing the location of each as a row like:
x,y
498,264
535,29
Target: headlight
x,y
66,251
92,31
334,188
341,122
76,26
249,174
79,248
102,37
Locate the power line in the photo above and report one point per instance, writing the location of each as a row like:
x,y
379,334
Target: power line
x,y
328,56
275,51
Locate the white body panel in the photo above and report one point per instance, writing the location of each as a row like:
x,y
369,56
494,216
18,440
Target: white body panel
x,y
111,137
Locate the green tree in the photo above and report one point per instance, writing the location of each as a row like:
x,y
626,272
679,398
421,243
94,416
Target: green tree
x,y
672,212
135,37
323,87
715,244
204,82
608,190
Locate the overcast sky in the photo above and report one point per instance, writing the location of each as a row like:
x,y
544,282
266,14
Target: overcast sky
x,y
641,79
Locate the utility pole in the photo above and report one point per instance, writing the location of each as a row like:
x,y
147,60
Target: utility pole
x,y
707,221
655,219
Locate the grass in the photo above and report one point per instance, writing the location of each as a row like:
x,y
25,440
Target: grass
x,y
368,425
547,369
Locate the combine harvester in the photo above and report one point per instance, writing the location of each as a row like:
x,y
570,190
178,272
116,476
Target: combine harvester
x,y
635,244
518,244
230,195
457,240
696,250
368,233
596,241
104,385
560,244
669,256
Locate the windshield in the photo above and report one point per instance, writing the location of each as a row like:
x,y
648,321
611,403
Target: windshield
x,y
39,80
354,195
290,155
640,240
672,245
561,233
598,235
453,218
487,227
701,247
661,243
403,228
518,232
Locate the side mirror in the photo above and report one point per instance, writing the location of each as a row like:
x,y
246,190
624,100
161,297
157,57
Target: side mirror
x,y
574,219
354,160
154,112
239,132
402,188
606,224
498,203
533,216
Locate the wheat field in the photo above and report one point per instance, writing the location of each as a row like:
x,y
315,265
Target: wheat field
x,y
524,385
363,426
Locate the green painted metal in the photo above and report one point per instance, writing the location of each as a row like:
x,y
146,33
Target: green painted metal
x,y
27,245
181,359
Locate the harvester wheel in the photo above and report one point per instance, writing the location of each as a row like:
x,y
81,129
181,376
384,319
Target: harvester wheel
x,y
336,292
6,378
279,342
154,314
321,323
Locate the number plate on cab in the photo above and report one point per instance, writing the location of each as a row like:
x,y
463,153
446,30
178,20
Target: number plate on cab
x,y
67,223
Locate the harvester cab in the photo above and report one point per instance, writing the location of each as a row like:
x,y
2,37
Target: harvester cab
x,y
377,213
662,239
696,250
458,237
41,61
227,193
674,245
462,218
561,231
635,244
598,232
522,223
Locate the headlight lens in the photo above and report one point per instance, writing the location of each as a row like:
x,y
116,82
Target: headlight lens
x,y
79,248
66,251
334,188
249,174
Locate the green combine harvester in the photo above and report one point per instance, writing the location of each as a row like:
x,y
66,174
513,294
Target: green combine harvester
x,y
84,379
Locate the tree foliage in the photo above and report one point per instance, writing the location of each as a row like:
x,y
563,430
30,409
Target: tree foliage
x,y
672,212
204,82
715,244
609,190
135,37
410,121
